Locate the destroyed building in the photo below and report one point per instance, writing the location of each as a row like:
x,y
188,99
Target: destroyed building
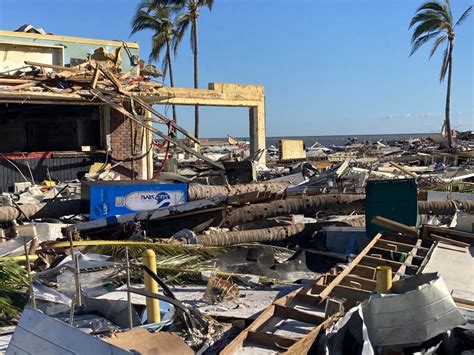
x,y
49,132
326,249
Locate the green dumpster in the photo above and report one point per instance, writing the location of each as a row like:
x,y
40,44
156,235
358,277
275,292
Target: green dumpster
x,y
393,199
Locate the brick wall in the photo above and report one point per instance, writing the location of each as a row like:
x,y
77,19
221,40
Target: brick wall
x,y
125,143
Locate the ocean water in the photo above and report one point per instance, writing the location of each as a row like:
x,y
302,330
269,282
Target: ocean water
x,y
338,140
343,139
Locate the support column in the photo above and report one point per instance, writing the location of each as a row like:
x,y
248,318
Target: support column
x,y
257,129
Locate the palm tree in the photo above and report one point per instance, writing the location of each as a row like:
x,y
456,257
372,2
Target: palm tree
x,y
434,20
188,14
156,17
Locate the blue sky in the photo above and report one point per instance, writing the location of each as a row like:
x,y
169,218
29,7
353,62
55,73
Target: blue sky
x,y
329,67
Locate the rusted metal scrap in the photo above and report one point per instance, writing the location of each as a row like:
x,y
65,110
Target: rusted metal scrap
x,y
54,209
198,192
257,235
445,207
307,204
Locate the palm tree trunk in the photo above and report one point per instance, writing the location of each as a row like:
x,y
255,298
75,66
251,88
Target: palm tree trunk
x,y
448,96
196,108
170,68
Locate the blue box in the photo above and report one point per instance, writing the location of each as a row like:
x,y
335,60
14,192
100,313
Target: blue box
x,y
111,198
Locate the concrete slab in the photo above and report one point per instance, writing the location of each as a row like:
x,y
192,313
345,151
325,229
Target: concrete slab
x,y
456,266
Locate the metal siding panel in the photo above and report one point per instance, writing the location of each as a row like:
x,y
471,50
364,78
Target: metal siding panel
x,y
62,168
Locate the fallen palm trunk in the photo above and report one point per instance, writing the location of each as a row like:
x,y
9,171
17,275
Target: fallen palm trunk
x,y
198,192
53,209
304,205
445,207
265,235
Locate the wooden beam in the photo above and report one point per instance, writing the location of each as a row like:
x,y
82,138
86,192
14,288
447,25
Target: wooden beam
x,y
448,232
398,246
269,340
439,238
52,66
303,346
366,272
353,280
374,262
350,294
396,226
291,313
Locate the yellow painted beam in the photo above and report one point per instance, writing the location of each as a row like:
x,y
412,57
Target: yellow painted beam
x,y
67,39
152,304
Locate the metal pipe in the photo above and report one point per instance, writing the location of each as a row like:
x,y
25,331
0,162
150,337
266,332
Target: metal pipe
x,y
152,305
28,270
129,296
77,271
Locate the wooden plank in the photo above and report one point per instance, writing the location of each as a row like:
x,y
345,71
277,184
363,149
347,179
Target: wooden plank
x,y
95,77
374,262
395,255
291,313
400,238
353,280
22,86
52,66
349,268
350,294
366,272
403,169
274,341
14,81
396,226
111,77
445,232
439,238
304,345
389,244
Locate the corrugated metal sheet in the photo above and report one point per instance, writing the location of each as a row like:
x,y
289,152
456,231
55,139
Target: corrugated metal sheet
x,y
64,167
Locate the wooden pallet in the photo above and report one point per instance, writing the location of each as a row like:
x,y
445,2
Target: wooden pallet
x,y
292,323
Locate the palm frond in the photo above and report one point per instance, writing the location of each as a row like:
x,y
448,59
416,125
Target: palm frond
x,y
422,40
436,44
116,249
424,16
447,11
445,64
183,22
438,7
13,278
464,16
158,44
142,20
426,27
206,3
188,269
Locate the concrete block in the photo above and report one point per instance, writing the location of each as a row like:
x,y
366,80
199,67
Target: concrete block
x,y
292,149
